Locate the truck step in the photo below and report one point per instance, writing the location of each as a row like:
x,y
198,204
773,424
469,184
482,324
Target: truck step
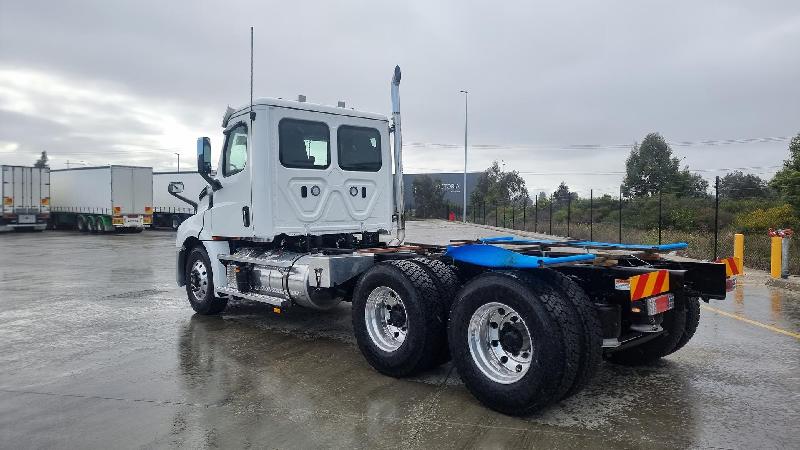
x,y
268,299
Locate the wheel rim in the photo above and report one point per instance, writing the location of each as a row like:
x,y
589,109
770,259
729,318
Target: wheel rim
x,y
386,318
500,343
198,279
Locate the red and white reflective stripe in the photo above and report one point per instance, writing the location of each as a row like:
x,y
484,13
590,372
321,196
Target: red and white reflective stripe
x,y
649,284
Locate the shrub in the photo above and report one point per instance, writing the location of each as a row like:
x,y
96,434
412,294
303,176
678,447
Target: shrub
x,y
760,220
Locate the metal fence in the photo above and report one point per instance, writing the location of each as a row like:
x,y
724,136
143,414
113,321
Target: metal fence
x,y
706,223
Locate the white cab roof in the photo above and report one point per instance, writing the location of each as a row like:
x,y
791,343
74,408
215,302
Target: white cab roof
x,y
305,106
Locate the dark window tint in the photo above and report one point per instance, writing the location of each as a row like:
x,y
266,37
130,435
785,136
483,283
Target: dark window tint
x,y
235,157
359,149
304,144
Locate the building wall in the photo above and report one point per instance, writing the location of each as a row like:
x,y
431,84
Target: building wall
x,y
452,182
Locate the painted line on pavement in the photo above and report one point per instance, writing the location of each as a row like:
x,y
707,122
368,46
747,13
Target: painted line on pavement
x,y
751,321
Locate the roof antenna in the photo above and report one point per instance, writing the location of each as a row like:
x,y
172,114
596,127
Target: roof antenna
x,y
252,113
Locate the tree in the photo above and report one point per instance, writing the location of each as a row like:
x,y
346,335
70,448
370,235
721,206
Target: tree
x,y
428,196
787,180
738,185
562,193
651,167
41,163
496,186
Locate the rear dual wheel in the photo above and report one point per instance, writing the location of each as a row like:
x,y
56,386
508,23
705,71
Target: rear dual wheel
x,y
515,340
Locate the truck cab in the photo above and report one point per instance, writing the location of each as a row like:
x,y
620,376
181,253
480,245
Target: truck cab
x,y
293,168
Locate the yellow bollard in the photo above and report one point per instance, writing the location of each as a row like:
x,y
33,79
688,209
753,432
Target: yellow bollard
x,y
775,256
738,248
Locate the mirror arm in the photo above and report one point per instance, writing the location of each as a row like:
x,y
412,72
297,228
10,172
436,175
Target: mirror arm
x,y
182,198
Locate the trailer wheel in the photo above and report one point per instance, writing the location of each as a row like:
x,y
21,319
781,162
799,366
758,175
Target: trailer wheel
x,y
200,284
80,224
591,336
514,341
398,318
692,321
674,325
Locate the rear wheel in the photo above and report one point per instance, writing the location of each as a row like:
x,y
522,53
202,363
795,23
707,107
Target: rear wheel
x,y
398,319
674,325
200,284
692,321
514,342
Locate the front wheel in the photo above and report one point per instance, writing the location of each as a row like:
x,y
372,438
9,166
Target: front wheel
x,y
200,284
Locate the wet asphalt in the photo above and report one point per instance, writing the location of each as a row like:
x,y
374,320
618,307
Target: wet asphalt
x,y
101,349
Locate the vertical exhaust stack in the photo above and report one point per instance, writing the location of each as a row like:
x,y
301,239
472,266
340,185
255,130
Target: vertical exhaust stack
x,y
399,203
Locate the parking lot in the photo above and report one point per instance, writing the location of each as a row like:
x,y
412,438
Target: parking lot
x,y
100,348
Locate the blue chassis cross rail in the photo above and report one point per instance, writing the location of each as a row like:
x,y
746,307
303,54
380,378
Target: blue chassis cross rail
x,y
487,255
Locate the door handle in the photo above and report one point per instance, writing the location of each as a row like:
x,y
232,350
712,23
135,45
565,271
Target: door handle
x,y
246,216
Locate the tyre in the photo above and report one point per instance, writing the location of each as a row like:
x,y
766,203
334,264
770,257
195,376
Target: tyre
x,y
81,225
447,282
591,335
91,224
175,222
200,284
514,341
674,325
692,321
398,319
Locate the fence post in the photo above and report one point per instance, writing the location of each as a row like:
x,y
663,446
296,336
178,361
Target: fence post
x,y
620,214
524,211
513,215
504,216
536,215
484,212
716,214
569,210
551,214
659,217
591,214
495,214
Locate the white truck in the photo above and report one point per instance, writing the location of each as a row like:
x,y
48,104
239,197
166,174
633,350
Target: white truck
x,y
297,216
102,199
26,198
169,211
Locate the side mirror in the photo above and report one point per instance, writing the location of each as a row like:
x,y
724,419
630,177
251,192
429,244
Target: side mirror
x,y
175,187
204,163
203,155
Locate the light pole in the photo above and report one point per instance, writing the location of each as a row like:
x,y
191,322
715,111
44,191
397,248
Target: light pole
x,y
179,161
466,125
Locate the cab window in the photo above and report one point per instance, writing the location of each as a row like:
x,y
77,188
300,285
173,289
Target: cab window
x,y
304,144
359,148
235,157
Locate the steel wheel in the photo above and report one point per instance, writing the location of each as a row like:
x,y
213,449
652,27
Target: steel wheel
x,y
500,343
386,319
198,280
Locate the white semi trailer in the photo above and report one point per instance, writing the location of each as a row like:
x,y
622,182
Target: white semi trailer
x,y
25,192
295,215
169,211
101,199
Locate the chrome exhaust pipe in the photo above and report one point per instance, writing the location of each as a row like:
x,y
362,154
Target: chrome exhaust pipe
x,y
399,202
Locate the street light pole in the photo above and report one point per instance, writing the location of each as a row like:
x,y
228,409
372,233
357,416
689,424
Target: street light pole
x,y
179,161
466,125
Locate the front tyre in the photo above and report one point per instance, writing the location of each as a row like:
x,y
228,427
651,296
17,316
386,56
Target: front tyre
x,y
200,284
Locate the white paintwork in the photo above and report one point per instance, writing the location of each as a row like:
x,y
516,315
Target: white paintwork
x,y
25,192
98,190
193,183
273,192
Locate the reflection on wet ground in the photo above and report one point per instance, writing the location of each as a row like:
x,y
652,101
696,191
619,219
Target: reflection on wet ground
x,y
100,349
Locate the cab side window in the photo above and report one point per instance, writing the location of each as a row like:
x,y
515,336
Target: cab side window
x,y
235,156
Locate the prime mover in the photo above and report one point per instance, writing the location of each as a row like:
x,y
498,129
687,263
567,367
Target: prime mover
x,y
306,210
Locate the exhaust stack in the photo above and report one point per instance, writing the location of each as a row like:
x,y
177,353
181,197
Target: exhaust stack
x,y
399,203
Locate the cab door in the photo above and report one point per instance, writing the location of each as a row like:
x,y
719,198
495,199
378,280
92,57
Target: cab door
x,y
231,215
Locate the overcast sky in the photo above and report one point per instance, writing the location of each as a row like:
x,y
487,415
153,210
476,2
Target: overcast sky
x,y
103,82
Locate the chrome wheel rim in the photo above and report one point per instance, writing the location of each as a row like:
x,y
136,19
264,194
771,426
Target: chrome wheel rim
x,y
198,279
500,343
386,319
